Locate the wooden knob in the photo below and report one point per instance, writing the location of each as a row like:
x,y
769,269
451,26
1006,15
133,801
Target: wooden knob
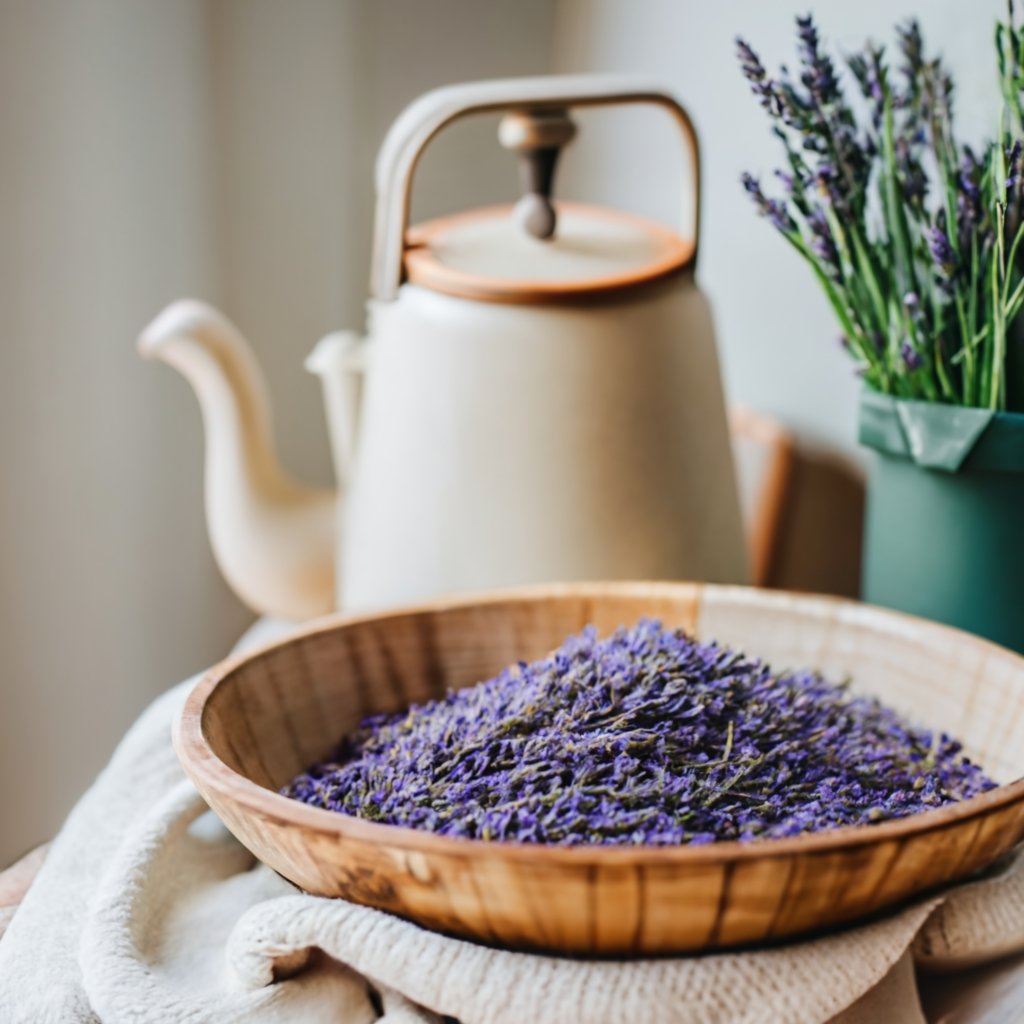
x,y
538,137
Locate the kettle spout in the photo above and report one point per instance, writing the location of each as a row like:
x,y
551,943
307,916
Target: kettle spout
x,y
272,537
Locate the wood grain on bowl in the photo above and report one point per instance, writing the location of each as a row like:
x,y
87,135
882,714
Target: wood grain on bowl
x,y
252,723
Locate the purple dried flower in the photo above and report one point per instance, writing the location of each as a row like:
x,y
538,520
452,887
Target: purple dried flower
x,y
644,737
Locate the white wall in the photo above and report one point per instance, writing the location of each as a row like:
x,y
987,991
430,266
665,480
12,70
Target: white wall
x,y
149,150
107,592
776,330
302,104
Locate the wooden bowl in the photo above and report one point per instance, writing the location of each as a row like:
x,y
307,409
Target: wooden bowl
x,y
252,723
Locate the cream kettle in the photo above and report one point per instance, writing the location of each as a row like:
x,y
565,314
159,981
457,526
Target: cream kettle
x,y
537,396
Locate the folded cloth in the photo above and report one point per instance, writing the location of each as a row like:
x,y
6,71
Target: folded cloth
x,y
147,910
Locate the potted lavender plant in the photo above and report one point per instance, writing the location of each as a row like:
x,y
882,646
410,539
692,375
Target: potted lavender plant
x,y
916,241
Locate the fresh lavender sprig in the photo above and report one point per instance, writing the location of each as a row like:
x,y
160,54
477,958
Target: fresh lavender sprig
x,y
969,206
774,209
822,243
869,71
943,255
912,47
754,72
883,202
819,75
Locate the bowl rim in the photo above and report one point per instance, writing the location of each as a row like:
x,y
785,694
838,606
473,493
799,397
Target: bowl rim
x,y
209,772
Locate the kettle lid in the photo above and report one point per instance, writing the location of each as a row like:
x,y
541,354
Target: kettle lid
x,y
525,256
485,254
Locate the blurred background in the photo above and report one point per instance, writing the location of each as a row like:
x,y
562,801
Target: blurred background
x,y
223,149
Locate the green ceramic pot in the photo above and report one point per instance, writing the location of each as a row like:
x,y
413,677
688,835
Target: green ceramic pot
x,y
944,529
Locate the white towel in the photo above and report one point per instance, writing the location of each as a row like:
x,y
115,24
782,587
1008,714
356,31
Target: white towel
x,y
147,910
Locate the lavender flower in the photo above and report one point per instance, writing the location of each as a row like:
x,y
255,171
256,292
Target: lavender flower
x,y
645,737
773,209
918,212
831,189
943,255
912,359
822,242
968,198
912,47
789,183
869,70
911,175
937,101
819,75
761,86
797,112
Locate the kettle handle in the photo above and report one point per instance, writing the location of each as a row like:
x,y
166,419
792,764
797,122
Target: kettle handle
x,y
426,116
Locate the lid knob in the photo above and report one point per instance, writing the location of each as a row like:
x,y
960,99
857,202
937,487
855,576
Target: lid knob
x,y
538,137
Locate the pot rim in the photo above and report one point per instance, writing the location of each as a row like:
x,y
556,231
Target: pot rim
x,y
941,436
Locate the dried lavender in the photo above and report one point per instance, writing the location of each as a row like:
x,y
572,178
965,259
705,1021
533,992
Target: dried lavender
x,y
644,737
882,200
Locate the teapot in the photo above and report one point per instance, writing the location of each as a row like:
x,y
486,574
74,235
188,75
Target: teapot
x,y
537,396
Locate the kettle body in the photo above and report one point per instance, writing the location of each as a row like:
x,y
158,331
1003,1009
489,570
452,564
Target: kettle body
x,y
572,442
